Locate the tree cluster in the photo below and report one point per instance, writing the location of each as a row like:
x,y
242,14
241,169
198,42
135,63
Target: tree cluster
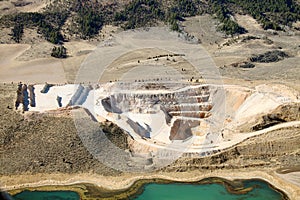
x,y
270,56
89,22
17,32
183,8
47,24
59,52
140,13
223,14
271,13
90,16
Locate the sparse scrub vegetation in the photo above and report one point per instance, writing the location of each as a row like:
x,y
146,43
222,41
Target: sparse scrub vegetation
x,y
249,37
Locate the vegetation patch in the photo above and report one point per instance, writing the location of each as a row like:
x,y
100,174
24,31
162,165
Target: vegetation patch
x,y
59,52
243,65
270,56
140,13
271,13
115,134
17,32
223,14
48,24
88,17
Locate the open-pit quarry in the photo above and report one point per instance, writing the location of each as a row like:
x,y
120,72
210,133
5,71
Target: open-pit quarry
x,y
148,100
173,116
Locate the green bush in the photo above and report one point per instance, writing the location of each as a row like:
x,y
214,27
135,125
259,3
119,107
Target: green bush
x,y
59,52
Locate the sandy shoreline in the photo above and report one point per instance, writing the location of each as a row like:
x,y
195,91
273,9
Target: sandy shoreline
x,y
124,181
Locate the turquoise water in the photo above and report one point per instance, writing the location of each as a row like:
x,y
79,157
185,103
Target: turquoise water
x,y
43,195
174,191
206,192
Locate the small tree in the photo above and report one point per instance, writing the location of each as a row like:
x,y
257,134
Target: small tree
x,y
17,32
174,26
59,52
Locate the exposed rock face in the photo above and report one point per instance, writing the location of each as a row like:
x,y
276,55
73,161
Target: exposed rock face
x,y
288,112
109,106
58,99
247,110
80,95
181,129
284,113
141,131
22,97
20,138
25,98
19,96
46,88
31,95
168,116
189,104
187,100
275,149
